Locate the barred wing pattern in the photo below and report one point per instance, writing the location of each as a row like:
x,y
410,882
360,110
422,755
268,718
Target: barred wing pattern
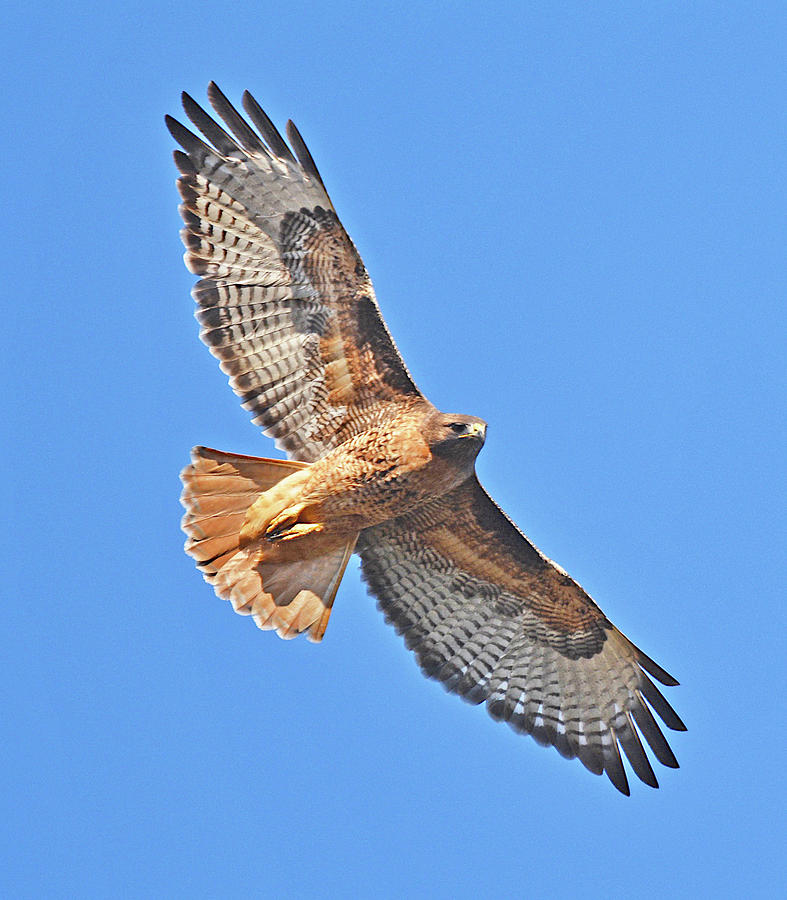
x,y
285,302
497,622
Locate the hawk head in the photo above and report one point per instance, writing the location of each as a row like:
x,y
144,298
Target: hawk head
x,y
454,436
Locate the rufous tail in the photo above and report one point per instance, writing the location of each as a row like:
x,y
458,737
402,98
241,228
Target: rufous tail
x,y
280,591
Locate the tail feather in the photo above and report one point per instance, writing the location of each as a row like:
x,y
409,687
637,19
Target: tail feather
x,y
290,595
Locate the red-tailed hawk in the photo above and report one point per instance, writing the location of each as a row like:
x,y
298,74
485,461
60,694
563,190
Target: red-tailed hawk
x,y
286,305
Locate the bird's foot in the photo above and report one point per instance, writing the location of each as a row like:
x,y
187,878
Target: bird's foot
x,y
296,531
285,526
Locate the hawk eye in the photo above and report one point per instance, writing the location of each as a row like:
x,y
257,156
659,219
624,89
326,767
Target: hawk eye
x,y
458,427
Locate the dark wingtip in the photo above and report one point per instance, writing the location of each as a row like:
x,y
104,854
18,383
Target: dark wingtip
x,y
654,669
187,139
221,140
650,730
302,151
654,697
240,128
183,163
266,128
172,125
189,103
613,766
623,786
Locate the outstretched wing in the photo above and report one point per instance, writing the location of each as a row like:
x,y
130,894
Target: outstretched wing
x,y
494,620
285,302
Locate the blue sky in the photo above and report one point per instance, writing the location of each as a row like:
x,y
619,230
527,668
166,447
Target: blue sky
x,y
574,216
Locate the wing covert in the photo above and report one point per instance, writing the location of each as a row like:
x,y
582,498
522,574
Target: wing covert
x,y
285,302
497,622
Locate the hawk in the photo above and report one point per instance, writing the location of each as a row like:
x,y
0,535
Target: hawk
x,y
286,305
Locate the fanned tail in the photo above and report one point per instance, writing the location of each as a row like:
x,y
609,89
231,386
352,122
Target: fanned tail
x,y
290,595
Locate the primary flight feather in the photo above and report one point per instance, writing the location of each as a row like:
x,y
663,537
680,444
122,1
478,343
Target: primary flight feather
x,y
287,306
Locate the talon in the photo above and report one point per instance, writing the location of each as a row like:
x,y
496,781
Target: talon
x,y
278,527
296,531
283,522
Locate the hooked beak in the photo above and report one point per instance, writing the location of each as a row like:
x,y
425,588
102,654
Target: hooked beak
x,y
477,429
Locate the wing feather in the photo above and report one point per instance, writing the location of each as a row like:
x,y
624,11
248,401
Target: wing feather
x,y
496,621
246,136
284,299
266,128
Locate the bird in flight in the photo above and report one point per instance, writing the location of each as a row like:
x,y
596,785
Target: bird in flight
x,y
287,307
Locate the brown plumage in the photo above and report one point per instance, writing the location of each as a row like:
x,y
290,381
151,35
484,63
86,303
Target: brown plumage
x,y
286,305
